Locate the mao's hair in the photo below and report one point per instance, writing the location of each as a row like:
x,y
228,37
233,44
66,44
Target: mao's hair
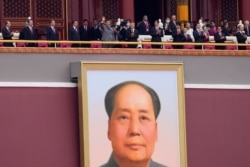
x,y
110,97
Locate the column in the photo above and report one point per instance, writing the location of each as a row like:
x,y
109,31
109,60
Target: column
x,y
244,9
127,10
182,10
87,10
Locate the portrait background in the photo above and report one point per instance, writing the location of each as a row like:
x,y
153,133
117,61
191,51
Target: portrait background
x,y
167,150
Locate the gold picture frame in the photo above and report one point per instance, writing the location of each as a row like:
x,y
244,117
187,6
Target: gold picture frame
x,y
93,80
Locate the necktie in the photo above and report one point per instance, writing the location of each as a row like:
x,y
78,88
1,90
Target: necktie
x,y
31,30
54,30
147,26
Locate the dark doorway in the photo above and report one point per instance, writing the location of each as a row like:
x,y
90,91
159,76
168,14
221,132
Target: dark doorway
x,y
151,8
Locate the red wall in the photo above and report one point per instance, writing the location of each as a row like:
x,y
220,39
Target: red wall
x,y
39,127
218,124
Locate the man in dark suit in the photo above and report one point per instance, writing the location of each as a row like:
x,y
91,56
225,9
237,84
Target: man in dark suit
x,y
7,34
241,37
30,34
247,28
84,33
74,34
172,24
198,36
144,26
156,33
228,31
132,35
51,33
219,37
95,32
122,31
21,34
178,36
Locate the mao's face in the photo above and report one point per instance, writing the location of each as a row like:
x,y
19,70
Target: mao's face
x,y
132,126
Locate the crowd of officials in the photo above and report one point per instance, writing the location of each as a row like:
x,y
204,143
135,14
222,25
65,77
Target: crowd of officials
x,y
125,30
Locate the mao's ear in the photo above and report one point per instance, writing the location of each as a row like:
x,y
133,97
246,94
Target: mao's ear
x,y
108,133
156,129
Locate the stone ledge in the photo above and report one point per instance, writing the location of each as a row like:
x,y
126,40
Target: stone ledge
x,y
127,51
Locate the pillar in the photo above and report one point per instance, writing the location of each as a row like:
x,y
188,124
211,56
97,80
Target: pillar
x,y
244,11
182,10
127,9
86,10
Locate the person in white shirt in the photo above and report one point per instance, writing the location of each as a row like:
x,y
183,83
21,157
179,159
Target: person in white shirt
x,y
189,30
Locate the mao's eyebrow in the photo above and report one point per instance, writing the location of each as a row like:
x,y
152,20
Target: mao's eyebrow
x,y
144,111
123,110
128,110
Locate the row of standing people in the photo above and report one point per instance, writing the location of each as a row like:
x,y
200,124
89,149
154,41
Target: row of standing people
x,y
202,35
29,33
110,32
106,32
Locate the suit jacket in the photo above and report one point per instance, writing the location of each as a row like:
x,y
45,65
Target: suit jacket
x,y
227,31
51,35
95,33
74,35
132,36
178,37
143,28
156,37
21,35
218,39
240,37
108,33
84,34
113,163
171,27
122,35
247,30
30,35
7,36
198,37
